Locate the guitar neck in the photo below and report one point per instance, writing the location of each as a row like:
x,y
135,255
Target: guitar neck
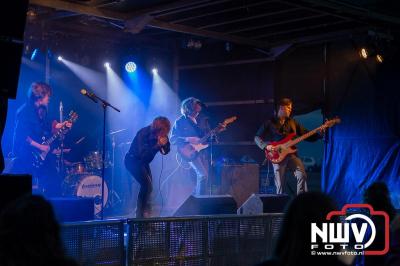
x,y
303,137
53,138
50,140
206,136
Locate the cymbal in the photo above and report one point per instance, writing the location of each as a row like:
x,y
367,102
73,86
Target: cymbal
x,y
116,131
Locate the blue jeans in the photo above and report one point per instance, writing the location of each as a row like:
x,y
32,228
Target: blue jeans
x,y
200,166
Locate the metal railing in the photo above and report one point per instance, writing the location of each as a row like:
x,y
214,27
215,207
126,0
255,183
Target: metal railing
x,y
198,240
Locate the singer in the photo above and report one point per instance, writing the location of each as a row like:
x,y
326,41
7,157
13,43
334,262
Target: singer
x,y
147,142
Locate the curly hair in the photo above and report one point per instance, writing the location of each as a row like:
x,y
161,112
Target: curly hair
x,y
39,90
187,105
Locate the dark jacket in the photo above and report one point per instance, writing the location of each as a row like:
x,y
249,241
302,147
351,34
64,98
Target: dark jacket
x,y
144,147
185,127
272,130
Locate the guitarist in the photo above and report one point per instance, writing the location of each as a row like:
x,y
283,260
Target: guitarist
x,y
275,129
33,124
189,128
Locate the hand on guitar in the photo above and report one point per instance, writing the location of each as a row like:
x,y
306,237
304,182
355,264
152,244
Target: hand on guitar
x,y
192,140
43,148
270,148
67,124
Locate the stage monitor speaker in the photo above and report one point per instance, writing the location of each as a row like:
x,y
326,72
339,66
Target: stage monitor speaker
x,y
264,203
240,181
73,209
207,205
14,186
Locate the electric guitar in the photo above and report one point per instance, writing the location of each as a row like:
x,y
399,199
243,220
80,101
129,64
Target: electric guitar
x,y
189,151
39,157
284,147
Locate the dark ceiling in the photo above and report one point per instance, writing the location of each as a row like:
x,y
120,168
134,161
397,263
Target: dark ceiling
x,y
251,23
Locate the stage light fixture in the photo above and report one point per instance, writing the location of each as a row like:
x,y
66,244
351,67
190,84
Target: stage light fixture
x,y
34,54
107,65
59,58
130,67
379,58
154,70
363,53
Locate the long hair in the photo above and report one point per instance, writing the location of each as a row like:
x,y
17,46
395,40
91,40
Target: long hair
x,y
187,105
38,90
161,123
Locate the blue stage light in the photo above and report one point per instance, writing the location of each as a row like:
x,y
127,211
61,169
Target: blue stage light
x,y
34,53
154,70
130,67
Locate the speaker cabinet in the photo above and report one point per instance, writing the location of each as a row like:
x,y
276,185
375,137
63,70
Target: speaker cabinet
x,y
14,186
264,203
240,181
73,209
207,205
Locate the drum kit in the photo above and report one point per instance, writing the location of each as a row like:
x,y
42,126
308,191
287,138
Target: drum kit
x,y
84,179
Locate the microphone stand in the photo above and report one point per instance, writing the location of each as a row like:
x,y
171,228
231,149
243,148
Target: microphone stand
x,y
61,158
104,104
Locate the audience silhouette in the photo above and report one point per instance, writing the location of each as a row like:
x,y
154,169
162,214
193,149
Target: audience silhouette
x,y
30,234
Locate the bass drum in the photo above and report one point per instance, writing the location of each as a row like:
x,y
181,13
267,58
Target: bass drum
x,y
90,187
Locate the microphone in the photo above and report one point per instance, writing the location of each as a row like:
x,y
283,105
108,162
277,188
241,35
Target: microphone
x,y
90,95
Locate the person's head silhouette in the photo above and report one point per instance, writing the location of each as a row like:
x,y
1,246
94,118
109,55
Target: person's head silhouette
x,y
30,234
294,242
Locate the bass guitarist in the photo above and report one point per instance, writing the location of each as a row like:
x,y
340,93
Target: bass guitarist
x,y
189,128
276,129
32,125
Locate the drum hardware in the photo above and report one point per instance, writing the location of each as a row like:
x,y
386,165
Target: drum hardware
x,y
113,193
94,161
76,168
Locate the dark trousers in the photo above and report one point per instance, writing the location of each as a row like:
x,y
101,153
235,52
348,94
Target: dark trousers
x,y
142,174
46,180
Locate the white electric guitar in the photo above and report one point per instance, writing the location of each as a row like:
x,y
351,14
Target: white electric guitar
x,y
189,151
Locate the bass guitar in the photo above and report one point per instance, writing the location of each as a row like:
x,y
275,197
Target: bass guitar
x,y
39,157
189,151
280,149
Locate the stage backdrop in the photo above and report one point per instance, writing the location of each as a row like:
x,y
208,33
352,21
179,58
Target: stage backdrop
x,y
365,147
